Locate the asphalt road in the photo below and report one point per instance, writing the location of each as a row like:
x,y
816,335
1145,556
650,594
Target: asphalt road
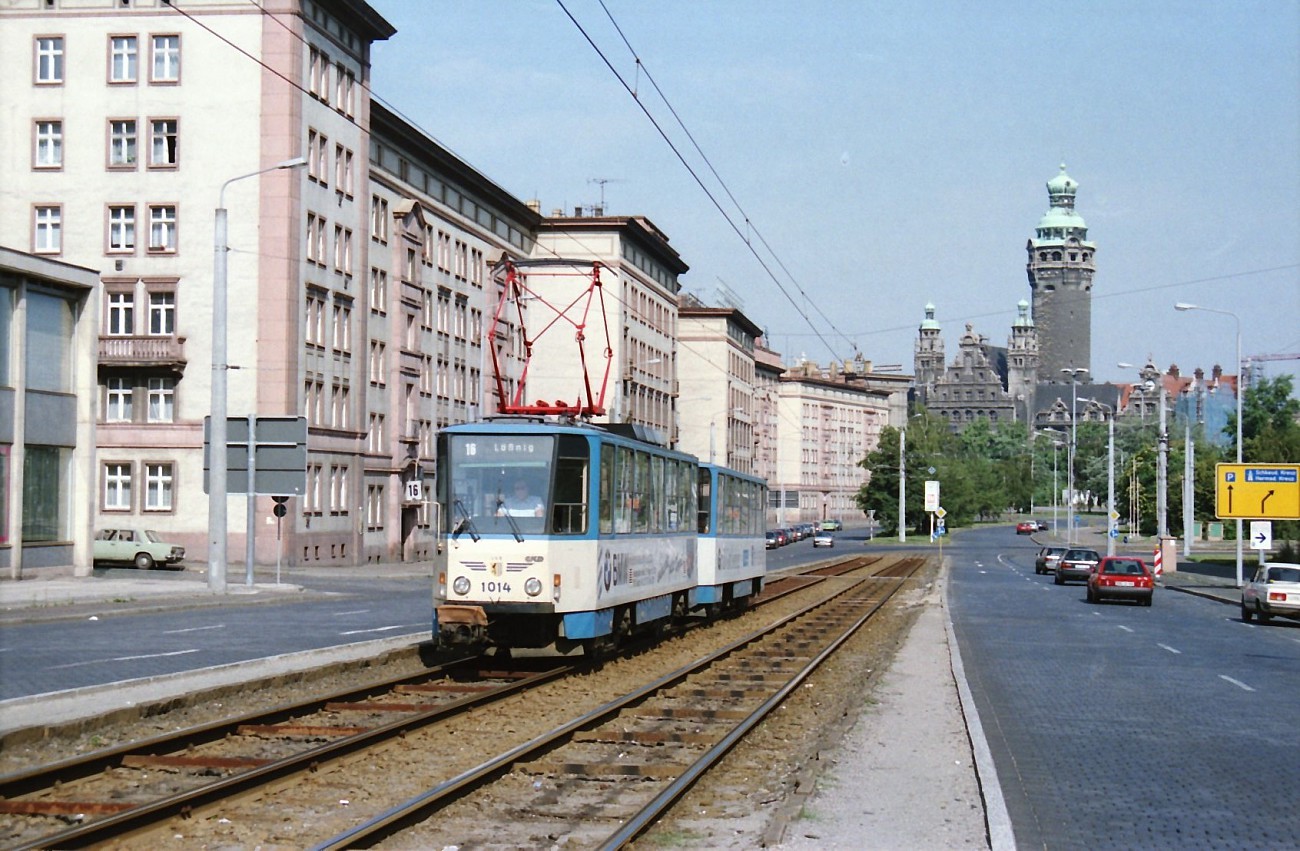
x,y
1120,726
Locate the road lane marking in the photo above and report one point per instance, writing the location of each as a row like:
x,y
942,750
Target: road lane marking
x,y
193,629
1170,649
125,659
1125,628
1237,683
353,612
381,629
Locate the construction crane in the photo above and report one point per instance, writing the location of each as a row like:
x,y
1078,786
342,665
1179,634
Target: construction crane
x,y
1249,364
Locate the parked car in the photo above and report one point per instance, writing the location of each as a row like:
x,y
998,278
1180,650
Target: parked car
x,y
1026,527
142,547
1076,563
772,542
1274,590
782,537
823,538
1042,525
1047,559
1122,578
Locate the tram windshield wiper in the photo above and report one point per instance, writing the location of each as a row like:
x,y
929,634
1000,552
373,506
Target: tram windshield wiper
x,y
505,512
466,523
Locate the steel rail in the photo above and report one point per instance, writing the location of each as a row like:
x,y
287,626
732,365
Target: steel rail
x,y
145,815
662,802
420,807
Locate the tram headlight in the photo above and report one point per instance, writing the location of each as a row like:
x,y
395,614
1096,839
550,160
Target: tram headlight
x,y
533,587
460,586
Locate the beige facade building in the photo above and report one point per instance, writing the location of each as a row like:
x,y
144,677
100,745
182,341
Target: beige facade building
x,y
719,404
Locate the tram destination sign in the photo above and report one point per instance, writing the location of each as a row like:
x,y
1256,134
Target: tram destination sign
x,y
1257,491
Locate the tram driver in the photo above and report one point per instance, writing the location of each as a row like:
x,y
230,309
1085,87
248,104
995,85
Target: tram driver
x,y
521,502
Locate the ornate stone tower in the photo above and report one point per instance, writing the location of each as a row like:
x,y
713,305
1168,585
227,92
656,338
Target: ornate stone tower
x,y
1022,362
927,357
1060,278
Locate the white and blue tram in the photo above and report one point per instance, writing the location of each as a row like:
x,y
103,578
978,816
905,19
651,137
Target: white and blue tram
x,y
731,548
568,534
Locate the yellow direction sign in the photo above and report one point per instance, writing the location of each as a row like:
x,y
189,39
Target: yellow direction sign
x,y
1257,491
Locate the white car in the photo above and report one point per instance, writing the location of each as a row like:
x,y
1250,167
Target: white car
x,y
823,538
1273,591
142,547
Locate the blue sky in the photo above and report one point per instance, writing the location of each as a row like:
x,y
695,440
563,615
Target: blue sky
x,y
895,153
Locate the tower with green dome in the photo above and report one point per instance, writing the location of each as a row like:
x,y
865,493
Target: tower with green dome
x,y
1060,272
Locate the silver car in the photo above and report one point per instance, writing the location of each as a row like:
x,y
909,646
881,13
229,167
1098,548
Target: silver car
x,y
1077,563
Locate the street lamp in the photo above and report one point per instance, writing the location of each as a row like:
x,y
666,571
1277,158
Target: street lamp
x,y
1074,373
1184,306
217,526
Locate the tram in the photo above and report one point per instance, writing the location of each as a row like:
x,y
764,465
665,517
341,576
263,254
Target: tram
x,y
564,534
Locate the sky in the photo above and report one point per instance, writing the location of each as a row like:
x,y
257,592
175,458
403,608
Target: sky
x,y
835,165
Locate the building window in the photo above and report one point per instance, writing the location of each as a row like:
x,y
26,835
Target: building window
x,y
48,233
121,229
162,314
378,290
316,239
117,487
378,370
49,144
121,143
342,328
162,400
374,507
375,435
158,487
315,330
166,59
123,58
49,59
117,400
343,170
317,157
162,228
379,219
164,143
121,314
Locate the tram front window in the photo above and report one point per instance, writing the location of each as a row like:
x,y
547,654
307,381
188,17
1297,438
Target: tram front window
x,y
502,485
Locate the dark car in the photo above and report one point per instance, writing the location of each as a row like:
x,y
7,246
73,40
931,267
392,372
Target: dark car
x,y
1047,559
1076,563
781,537
1121,579
772,542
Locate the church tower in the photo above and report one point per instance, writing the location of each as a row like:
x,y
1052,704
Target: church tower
x,y
1060,271
927,355
1022,362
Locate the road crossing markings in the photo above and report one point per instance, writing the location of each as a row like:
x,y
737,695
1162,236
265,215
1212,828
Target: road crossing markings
x,y
1170,649
1237,683
193,629
381,629
126,659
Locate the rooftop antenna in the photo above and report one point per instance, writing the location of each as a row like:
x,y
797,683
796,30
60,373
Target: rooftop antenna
x,y
602,181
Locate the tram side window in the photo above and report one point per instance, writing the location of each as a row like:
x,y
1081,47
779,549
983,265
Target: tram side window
x,y
641,494
569,500
607,496
705,497
658,505
623,491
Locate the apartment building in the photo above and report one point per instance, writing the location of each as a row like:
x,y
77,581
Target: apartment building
x,y
718,405
47,427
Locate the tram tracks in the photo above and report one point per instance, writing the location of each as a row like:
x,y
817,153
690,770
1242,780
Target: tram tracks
x,y
673,732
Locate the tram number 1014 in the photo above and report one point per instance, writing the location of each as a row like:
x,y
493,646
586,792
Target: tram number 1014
x,y
493,587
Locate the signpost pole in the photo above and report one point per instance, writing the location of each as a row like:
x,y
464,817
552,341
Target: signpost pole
x,y
250,545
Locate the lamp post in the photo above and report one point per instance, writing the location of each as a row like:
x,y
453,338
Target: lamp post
x,y
217,487
1074,373
902,484
1184,306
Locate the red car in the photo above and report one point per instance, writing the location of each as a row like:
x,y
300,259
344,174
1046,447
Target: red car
x,y
1122,578
1026,527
